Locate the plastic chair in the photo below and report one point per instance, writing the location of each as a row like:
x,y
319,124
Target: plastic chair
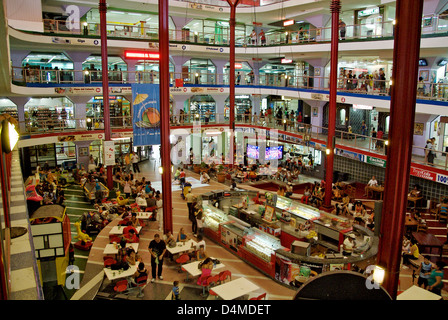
x,y
224,275
109,262
121,286
260,297
141,284
182,260
211,281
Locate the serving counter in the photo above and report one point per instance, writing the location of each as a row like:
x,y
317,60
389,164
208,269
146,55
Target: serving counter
x,y
270,236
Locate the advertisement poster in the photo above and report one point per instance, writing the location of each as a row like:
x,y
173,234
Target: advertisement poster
x,y
146,115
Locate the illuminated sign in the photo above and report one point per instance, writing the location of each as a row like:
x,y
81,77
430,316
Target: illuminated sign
x,y
286,61
368,12
361,107
288,23
142,55
238,65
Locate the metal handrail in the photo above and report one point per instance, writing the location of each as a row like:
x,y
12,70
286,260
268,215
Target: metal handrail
x,y
284,124
323,34
28,75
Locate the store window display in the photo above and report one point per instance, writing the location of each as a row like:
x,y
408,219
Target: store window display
x,y
49,113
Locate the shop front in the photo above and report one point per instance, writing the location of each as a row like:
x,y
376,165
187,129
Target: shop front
x,y
49,113
200,106
8,107
92,68
199,71
283,238
119,108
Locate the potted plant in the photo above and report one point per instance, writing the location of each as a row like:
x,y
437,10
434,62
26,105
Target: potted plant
x,y
204,167
221,175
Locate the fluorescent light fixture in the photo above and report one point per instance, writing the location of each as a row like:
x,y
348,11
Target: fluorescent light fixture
x,y
362,107
161,170
134,14
117,12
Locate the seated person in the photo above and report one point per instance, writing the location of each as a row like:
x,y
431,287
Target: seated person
x,y
343,207
306,195
140,272
129,227
182,236
131,257
289,190
141,201
337,193
201,254
359,212
121,254
413,253
372,183
205,178
135,222
131,236
415,192
233,185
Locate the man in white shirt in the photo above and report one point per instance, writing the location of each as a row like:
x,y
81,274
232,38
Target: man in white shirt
x,y
371,183
349,244
134,159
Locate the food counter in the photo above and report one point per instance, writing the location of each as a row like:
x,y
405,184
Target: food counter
x,y
292,223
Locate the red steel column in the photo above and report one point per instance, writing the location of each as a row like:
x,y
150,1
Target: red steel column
x,y
164,50
105,74
335,8
232,22
402,116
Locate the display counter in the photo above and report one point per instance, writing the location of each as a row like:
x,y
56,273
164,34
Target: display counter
x,y
270,245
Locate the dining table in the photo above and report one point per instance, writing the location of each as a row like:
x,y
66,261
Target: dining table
x,y
120,274
428,240
182,247
118,230
234,289
112,248
193,270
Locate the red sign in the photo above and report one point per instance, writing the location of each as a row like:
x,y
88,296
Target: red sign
x,y
238,65
288,23
424,174
142,55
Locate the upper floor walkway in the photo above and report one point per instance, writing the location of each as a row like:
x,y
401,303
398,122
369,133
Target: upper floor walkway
x,y
287,130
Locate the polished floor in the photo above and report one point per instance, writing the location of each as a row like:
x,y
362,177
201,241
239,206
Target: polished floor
x,y
94,281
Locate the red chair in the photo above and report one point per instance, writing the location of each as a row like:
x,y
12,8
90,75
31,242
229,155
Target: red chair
x,y
182,260
141,284
108,261
260,297
121,286
224,275
209,282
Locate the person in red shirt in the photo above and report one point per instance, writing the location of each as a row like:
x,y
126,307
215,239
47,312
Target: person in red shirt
x,y
379,141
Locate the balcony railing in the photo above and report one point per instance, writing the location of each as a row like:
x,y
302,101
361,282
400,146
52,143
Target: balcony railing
x,y
27,75
284,125
435,24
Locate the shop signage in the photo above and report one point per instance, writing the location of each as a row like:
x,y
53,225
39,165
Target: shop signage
x,y
326,97
376,161
92,90
368,12
350,155
424,174
442,178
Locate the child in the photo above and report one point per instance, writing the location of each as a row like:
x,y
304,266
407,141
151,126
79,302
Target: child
x,y
176,292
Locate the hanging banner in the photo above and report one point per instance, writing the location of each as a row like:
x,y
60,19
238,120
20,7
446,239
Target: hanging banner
x,y
146,114
109,153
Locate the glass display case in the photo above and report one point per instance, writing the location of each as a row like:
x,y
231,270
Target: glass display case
x,y
261,244
283,203
232,234
303,211
213,217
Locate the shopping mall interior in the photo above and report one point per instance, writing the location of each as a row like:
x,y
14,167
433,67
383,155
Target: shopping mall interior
x,y
251,109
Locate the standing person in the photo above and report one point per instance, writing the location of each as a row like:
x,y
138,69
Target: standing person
x,y
238,78
157,249
364,129
127,162
424,271
190,204
373,138
342,26
135,160
379,141
262,38
435,283
198,215
430,154
253,37
176,290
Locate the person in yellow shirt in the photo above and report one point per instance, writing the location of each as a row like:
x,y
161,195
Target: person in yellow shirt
x,y
413,253
127,162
